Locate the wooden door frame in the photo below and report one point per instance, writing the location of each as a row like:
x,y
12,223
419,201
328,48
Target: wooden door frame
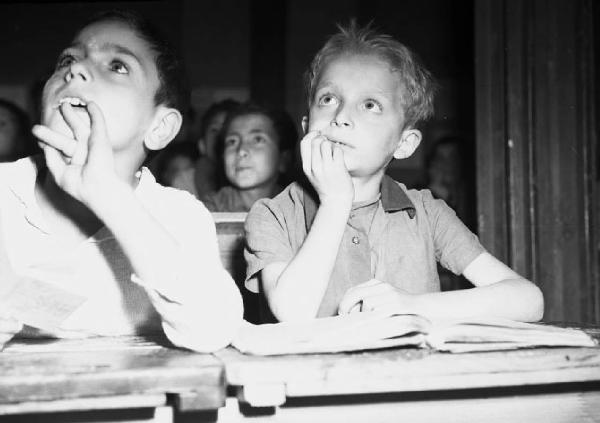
x,y
536,146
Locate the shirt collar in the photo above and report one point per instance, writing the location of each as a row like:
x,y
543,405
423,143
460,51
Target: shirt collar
x,y
146,180
23,178
393,199
22,185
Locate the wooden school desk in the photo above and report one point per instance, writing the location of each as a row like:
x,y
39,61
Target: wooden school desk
x,y
129,379
230,236
106,379
410,385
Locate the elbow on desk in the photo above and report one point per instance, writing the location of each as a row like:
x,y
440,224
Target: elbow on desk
x,y
213,330
209,337
535,298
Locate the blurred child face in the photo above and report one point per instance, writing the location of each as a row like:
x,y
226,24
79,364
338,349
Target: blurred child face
x,y
211,134
252,156
107,63
177,166
444,164
357,104
8,133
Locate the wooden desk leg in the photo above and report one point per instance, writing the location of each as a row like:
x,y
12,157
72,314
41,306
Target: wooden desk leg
x,y
163,415
262,394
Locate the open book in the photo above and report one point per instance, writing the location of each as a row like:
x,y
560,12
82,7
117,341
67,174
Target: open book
x,y
372,330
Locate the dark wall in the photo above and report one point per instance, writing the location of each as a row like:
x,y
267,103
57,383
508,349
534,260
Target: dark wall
x,y
33,33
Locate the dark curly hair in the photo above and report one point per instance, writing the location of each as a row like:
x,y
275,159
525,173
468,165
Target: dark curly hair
x,y
173,90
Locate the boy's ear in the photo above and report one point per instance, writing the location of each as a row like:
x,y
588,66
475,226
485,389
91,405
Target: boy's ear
x,y
409,141
165,127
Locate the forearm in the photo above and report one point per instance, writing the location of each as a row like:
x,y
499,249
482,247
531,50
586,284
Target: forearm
x,y
198,302
206,323
152,251
515,299
300,288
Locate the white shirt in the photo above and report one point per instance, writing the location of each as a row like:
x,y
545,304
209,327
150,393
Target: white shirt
x,y
198,308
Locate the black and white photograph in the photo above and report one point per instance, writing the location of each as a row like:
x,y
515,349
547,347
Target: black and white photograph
x,y
254,211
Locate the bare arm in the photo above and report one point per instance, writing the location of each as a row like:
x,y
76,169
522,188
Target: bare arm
x,y
295,290
499,292
199,303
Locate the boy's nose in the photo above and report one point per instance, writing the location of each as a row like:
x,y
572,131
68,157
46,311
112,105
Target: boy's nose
x,y
242,150
78,70
341,118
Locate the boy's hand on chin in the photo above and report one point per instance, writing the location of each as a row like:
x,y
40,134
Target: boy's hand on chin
x,y
323,163
83,164
377,295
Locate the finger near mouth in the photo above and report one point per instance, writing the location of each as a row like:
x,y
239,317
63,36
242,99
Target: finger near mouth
x,y
81,113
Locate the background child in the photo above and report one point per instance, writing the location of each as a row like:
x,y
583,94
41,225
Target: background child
x,y
447,179
354,239
89,220
208,175
15,138
257,146
174,161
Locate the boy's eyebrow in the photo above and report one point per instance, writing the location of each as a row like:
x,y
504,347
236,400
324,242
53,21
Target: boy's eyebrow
x,y
118,48
332,85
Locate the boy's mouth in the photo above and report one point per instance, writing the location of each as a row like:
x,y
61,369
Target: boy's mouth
x,y
79,108
340,143
73,101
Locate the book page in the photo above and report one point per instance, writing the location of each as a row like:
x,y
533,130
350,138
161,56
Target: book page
x,y
38,304
500,334
357,331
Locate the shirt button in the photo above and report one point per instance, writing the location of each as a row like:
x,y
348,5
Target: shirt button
x,y
355,240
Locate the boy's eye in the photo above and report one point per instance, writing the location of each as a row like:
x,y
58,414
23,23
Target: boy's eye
x,y
258,139
230,142
372,105
64,60
327,100
119,67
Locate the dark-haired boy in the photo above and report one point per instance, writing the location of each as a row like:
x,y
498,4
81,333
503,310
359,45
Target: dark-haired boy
x,y
91,220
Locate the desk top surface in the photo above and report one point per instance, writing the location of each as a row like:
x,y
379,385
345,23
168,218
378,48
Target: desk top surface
x,y
409,370
63,369
47,370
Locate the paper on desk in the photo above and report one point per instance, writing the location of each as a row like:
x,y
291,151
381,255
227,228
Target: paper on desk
x,y
39,304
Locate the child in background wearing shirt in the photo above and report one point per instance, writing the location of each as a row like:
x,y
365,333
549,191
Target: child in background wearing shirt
x,y
354,239
174,161
257,146
207,176
88,218
14,132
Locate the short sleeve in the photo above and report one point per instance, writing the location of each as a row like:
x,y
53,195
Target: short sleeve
x,y
267,239
455,245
